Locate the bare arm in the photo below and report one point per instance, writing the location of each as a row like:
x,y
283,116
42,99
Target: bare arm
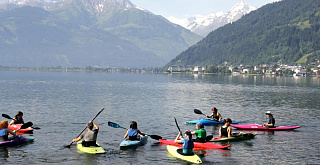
x,y
126,135
141,133
220,135
210,115
76,139
229,132
11,132
220,117
95,126
177,138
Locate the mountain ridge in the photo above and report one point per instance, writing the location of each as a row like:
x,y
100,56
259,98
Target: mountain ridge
x,y
203,25
74,33
268,35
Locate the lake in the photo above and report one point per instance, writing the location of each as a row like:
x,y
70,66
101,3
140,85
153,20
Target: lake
x,y
61,103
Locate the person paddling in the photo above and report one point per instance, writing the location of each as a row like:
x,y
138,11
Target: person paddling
x,y
201,133
215,114
186,141
271,120
225,130
133,131
4,131
90,137
17,118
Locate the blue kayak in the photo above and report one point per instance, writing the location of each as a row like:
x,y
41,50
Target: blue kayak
x,y
208,122
16,141
132,143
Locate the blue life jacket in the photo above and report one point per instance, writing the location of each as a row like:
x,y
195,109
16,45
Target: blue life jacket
x,y
3,132
133,134
187,143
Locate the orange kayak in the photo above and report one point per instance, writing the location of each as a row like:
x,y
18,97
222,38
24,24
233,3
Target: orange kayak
x,y
17,126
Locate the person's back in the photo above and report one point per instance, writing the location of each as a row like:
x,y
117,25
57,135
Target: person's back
x,y
133,134
187,146
3,134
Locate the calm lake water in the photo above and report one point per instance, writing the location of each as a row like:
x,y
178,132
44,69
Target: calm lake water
x,y
61,103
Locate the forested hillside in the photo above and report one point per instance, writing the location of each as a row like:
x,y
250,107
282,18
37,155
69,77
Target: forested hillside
x,y
286,31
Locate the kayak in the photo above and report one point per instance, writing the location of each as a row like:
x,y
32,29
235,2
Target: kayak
x,y
131,143
236,136
17,126
259,127
177,152
91,149
17,141
208,122
197,145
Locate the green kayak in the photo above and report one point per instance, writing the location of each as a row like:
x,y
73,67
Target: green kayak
x,y
236,137
91,149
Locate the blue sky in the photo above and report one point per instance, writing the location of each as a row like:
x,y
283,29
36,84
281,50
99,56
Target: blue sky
x,y
187,8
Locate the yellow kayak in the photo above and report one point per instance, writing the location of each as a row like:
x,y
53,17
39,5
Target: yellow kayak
x,y
91,149
172,150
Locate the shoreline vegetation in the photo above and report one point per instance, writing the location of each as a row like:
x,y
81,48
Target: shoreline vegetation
x,y
140,70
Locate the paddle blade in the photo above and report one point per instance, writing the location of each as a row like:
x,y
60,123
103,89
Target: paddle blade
x,y
114,125
35,128
26,125
197,111
6,116
156,137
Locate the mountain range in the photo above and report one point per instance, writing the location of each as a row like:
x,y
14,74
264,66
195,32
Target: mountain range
x,y
286,31
80,33
203,25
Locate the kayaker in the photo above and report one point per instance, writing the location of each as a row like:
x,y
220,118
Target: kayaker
x,y
4,131
90,137
17,118
186,141
215,115
201,133
133,131
271,120
225,130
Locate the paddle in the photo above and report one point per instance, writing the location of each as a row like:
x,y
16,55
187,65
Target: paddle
x,y
197,111
115,125
68,146
177,124
24,126
8,117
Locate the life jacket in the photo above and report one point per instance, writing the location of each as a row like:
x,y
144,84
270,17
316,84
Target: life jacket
x,y
133,134
18,121
224,131
3,134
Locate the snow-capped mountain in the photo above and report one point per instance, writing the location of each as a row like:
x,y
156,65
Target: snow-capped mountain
x,y
203,25
20,2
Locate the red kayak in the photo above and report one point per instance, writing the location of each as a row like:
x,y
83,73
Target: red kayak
x,y
259,127
197,145
17,126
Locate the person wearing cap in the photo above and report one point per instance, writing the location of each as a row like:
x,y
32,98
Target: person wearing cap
x,y
225,130
133,131
90,137
271,120
186,141
215,114
201,133
17,119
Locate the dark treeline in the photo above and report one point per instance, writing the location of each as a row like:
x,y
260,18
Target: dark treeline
x,y
286,31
